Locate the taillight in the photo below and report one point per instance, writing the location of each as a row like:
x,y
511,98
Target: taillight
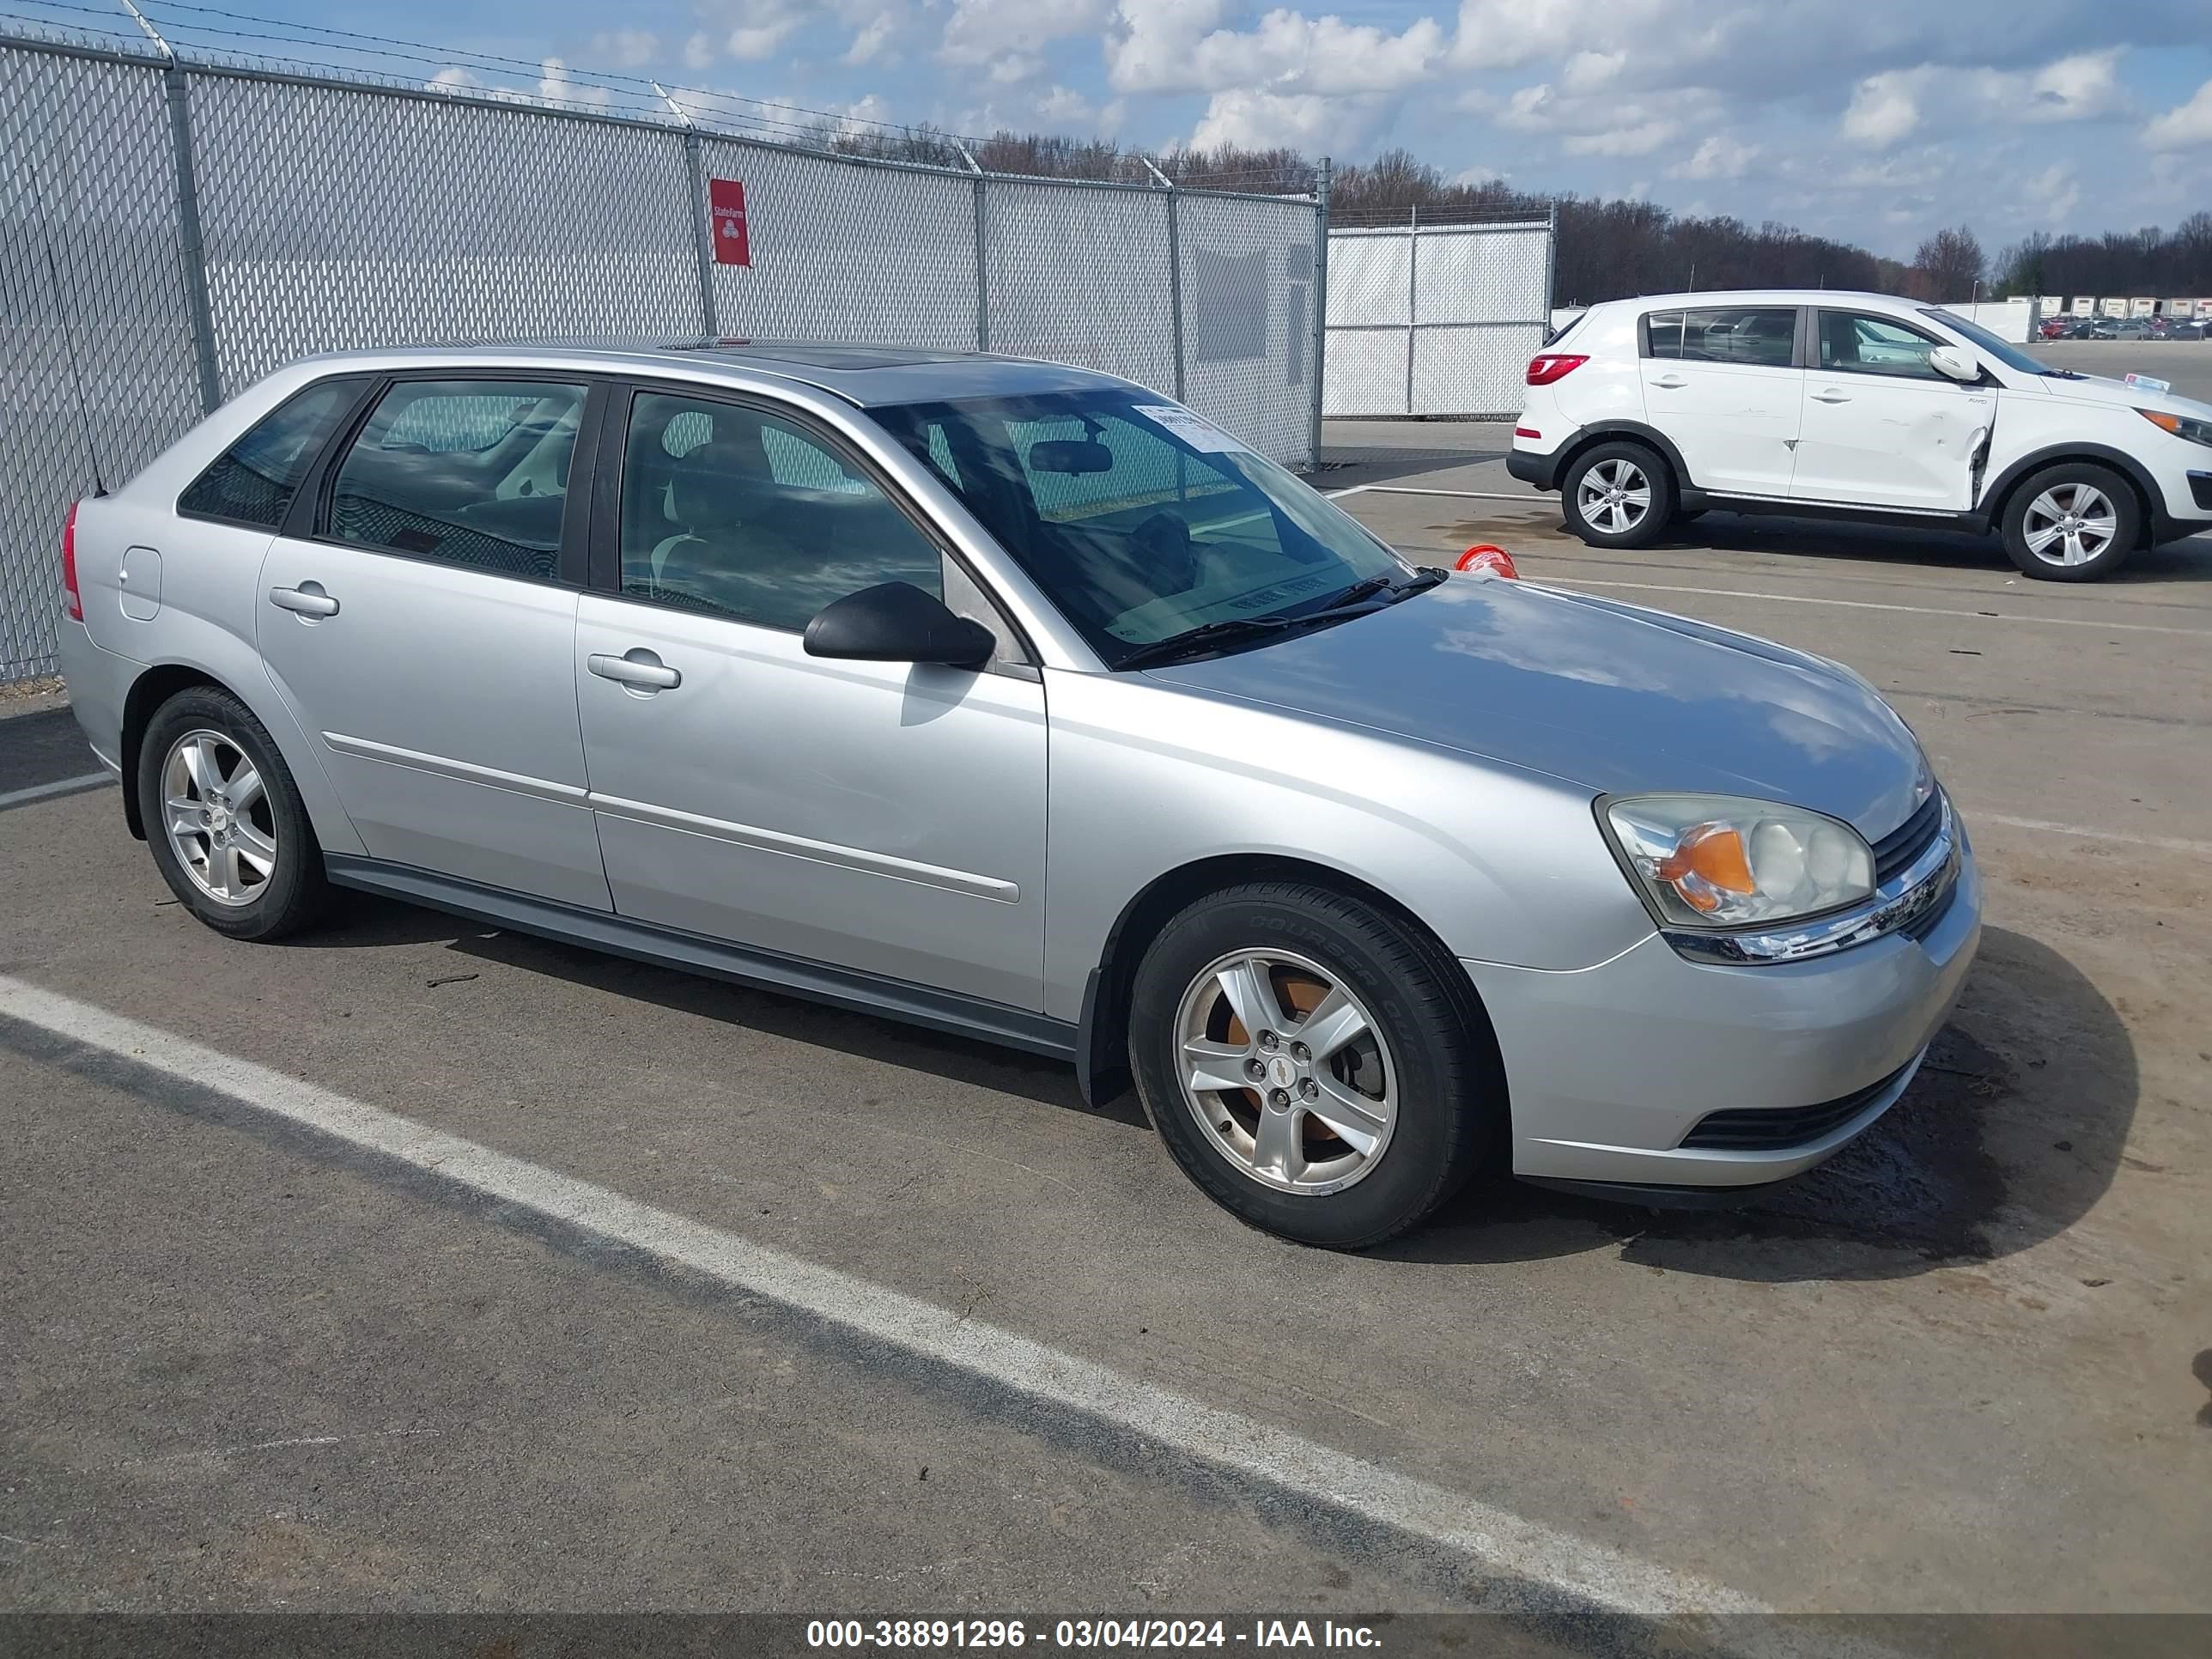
x,y
1548,365
69,565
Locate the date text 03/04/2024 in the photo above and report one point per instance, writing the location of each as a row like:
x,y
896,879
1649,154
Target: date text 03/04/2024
x,y
1085,1633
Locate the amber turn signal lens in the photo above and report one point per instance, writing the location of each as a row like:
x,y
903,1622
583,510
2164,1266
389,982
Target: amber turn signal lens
x,y
2158,417
1714,854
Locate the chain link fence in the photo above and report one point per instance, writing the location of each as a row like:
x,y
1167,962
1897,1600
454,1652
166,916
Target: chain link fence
x,y
171,231
1435,319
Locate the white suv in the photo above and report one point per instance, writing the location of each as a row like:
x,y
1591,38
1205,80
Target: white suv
x,y
1645,412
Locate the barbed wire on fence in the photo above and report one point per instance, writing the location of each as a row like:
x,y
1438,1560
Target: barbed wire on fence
x,y
366,58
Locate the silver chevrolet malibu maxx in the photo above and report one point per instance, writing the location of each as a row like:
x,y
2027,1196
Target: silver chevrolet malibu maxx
x,y
1019,702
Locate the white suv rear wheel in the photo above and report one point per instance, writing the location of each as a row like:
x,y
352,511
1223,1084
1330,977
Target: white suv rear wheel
x,y
1618,494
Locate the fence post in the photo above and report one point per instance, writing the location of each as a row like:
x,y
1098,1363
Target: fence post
x,y
1551,271
1413,296
983,268
1175,285
190,249
702,232
1320,303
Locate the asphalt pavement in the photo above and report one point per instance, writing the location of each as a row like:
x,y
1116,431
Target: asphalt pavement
x,y
517,1277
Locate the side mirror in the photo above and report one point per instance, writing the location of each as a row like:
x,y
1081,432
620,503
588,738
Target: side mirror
x,y
896,621
1954,364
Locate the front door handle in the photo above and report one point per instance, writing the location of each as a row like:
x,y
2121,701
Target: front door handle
x,y
1831,396
638,667
1670,381
307,600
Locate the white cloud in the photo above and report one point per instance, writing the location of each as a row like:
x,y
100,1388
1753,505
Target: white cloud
x,y
1300,120
699,52
1010,35
1506,33
872,35
626,49
2054,193
2074,89
557,84
1881,112
1586,71
1888,107
2185,126
1718,157
1639,139
1172,45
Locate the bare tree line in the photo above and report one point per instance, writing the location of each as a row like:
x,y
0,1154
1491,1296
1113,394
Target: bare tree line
x,y
1608,247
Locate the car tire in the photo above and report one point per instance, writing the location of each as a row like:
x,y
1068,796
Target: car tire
x,y
1411,1066
2073,522
224,819
1618,494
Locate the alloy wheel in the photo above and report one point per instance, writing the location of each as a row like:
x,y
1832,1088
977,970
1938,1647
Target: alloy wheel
x,y
1614,495
216,814
2070,524
1286,1071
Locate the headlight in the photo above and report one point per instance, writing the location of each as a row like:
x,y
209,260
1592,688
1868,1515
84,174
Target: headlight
x,y
1723,861
2182,426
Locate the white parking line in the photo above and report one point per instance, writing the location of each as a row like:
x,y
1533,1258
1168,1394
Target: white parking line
x,y
1415,490
1492,1538
2164,843
1572,582
83,781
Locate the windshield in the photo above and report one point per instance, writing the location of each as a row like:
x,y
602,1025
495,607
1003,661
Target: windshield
x,y
1138,518
2003,350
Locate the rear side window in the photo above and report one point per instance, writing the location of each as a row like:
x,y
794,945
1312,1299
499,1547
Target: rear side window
x,y
1761,335
252,481
466,472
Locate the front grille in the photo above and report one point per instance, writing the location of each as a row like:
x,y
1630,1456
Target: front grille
x,y
1778,1129
1925,923
1894,853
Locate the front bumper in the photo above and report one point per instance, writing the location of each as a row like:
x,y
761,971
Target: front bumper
x,y
1610,1068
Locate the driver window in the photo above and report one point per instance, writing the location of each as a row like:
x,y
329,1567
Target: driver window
x,y
733,512
1852,343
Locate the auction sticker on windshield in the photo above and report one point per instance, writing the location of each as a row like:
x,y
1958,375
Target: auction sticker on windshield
x,y
1200,434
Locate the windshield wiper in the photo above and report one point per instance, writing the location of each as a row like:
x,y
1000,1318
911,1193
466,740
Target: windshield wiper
x,y
1354,600
1205,635
1424,578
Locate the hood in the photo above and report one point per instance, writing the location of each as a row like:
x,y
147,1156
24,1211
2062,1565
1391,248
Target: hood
x,y
2107,393
1615,698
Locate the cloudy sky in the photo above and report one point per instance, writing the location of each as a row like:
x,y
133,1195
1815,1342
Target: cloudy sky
x,y
1874,120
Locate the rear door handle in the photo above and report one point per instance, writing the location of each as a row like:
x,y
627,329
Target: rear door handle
x,y
307,600
1831,396
639,667
1670,381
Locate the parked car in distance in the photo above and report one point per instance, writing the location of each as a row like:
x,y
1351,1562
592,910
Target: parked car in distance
x,y
1019,702
2056,328
1648,412
2121,328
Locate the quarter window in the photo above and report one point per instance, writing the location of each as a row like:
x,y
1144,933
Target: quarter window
x,y
733,512
465,472
1852,343
1763,335
254,481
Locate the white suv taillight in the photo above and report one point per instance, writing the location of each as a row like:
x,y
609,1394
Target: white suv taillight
x,y
1548,365
69,565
